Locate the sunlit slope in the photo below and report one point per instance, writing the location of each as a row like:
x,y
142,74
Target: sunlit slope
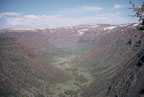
x,y
22,71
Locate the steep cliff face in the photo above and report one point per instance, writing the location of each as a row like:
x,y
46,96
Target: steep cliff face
x,y
116,52
129,81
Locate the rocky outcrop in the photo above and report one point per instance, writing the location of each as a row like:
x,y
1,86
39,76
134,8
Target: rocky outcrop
x,y
129,81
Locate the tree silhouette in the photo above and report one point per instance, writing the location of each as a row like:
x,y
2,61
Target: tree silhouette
x,y
139,11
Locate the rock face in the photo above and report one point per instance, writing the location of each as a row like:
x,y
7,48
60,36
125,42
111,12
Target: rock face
x,y
111,59
129,82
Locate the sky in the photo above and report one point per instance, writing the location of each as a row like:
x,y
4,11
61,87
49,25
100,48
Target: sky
x,y
55,13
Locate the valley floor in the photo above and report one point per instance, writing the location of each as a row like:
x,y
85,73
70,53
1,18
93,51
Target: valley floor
x,y
80,78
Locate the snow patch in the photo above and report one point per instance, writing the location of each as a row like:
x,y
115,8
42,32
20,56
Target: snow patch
x,y
110,28
23,29
123,25
80,32
135,24
94,26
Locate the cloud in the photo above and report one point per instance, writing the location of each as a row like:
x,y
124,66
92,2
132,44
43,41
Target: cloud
x,y
92,8
117,6
5,14
80,11
32,20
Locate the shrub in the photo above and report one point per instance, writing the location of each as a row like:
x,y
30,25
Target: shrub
x,y
70,92
61,95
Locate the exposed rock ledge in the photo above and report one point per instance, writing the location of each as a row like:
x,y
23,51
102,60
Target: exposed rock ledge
x,y
129,82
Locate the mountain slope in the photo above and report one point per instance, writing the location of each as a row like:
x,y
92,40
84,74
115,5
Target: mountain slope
x,y
129,81
80,61
111,53
22,72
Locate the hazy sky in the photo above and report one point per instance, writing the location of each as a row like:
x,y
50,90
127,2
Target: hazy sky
x,y
44,13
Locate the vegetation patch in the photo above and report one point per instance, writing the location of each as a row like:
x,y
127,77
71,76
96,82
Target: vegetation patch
x,y
40,95
70,93
72,87
61,95
62,63
81,79
50,60
115,49
108,59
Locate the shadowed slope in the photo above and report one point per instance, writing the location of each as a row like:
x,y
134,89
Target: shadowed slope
x,y
111,52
